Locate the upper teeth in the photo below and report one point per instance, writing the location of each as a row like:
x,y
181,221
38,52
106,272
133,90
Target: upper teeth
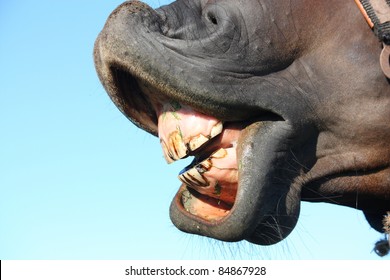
x,y
182,130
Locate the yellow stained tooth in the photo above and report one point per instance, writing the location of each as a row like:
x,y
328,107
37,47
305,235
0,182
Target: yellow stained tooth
x,y
182,129
204,166
217,129
197,141
221,153
176,145
193,178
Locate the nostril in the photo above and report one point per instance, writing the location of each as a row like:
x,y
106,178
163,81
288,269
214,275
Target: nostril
x,y
212,18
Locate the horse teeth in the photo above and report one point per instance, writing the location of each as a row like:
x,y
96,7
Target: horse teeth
x,y
192,177
216,130
221,153
216,176
177,146
197,141
183,130
195,176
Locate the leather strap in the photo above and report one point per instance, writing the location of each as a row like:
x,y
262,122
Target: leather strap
x,y
377,15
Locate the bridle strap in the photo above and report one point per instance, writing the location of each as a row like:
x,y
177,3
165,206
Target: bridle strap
x,y
377,15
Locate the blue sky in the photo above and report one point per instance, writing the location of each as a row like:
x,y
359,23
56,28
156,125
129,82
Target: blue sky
x,y
79,181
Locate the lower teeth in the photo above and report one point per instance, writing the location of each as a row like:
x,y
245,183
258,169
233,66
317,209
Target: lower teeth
x,y
215,176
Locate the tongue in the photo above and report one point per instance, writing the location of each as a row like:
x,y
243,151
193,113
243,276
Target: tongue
x,y
182,130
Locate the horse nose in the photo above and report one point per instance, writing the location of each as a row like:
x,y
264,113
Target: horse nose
x,y
129,22
135,15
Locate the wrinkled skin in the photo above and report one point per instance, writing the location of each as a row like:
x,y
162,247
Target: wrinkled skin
x,y
300,78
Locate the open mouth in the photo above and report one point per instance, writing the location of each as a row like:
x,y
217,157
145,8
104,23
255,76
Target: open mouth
x,y
210,182
227,191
